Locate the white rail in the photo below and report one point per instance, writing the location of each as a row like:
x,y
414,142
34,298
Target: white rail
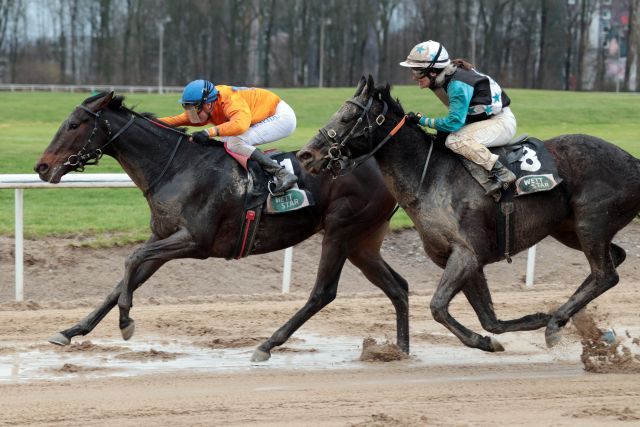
x,y
85,180
120,180
16,87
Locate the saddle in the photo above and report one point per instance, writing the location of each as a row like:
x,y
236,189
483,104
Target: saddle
x,y
258,200
535,171
528,159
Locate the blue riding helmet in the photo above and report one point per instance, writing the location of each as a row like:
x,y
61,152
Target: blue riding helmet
x,y
199,92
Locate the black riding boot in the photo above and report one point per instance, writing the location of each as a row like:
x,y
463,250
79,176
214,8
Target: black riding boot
x,y
502,177
283,179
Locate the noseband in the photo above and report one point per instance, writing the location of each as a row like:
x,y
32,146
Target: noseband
x,y
84,157
339,154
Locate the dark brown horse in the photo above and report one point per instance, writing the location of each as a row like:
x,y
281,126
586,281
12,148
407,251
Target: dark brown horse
x,y
195,195
599,196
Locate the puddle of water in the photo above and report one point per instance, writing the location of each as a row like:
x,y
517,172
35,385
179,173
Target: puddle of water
x,y
31,365
309,352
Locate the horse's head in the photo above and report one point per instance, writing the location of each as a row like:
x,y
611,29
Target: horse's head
x,y
78,141
356,130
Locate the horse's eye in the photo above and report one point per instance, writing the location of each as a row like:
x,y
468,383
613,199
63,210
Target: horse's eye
x,y
73,126
347,118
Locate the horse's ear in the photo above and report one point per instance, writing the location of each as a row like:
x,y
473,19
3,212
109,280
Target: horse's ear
x,y
386,92
369,87
105,101
361,84
101,102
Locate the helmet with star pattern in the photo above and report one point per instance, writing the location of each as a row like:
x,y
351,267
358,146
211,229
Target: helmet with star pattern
x,y
428,56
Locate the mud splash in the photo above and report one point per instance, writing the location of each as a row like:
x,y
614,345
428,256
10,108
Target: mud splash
x,y
605,351
384,352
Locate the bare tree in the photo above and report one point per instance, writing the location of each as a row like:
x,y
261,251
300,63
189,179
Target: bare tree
x,y
587,8
632,42
529,43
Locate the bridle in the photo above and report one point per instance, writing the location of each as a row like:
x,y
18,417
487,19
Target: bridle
x,y
85,157
339,154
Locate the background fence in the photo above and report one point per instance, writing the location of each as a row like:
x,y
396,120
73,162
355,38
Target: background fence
x,y
11,87
19,182
86,180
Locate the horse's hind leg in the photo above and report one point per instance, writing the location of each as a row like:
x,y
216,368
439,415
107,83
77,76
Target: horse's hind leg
x,y
479,296
87,324
370,262
332,260
603,259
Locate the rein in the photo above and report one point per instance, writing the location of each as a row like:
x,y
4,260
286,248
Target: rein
x,y
338,161
79,160
82,158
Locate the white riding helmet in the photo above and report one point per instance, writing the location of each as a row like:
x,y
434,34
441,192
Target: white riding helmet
x,y
429,54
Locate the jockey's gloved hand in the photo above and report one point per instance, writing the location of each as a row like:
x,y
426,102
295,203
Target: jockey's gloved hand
x,y
416,118
201,137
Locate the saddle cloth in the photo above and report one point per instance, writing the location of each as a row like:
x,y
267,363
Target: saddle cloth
x,y
259,200
258,190
534,167
529,160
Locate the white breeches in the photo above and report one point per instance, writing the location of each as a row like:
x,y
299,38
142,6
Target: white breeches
x,y
471,141
273,128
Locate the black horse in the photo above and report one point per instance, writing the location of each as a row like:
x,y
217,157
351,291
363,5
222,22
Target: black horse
x,y
195,195
599,196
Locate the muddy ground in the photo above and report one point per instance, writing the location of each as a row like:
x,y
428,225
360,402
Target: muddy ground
x,y
198,322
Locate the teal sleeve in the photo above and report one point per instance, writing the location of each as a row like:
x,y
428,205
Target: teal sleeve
x,y
459,99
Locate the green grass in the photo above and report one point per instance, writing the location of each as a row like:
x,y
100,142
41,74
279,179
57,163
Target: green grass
x,y
28,122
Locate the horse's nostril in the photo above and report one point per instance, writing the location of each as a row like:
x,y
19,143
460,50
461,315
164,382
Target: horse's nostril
x,y
41,167
304,156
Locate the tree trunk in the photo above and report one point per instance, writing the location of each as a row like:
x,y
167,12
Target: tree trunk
x,y
586,14
632,42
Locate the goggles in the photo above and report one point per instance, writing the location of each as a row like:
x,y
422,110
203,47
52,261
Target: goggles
x,y
419,73
193,111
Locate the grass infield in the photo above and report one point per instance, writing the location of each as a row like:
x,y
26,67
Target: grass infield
x,y
29,121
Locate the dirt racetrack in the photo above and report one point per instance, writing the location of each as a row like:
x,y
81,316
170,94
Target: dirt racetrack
x,y
197,323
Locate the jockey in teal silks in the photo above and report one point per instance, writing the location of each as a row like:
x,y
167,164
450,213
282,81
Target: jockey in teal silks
x,y
479,114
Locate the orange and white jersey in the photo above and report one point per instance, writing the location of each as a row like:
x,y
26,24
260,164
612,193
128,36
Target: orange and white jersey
x,y
234,111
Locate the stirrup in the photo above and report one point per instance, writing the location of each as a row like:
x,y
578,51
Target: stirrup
x,y
272,186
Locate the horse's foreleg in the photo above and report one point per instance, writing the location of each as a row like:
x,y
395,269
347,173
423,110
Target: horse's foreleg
x,y
479,296
324,291
87,324
462,267
392,284
179,245
603,260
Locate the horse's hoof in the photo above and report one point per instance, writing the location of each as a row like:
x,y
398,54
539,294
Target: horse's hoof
x,y
495,344
59,339
260,355
552,338
127,331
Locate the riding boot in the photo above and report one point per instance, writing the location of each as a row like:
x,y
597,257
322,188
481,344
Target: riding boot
x,y
502,177
283,179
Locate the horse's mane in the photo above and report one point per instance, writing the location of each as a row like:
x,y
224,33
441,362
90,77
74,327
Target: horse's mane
x,y
117,103
383,93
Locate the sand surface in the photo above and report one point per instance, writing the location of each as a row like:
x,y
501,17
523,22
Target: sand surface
x,y
197,323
